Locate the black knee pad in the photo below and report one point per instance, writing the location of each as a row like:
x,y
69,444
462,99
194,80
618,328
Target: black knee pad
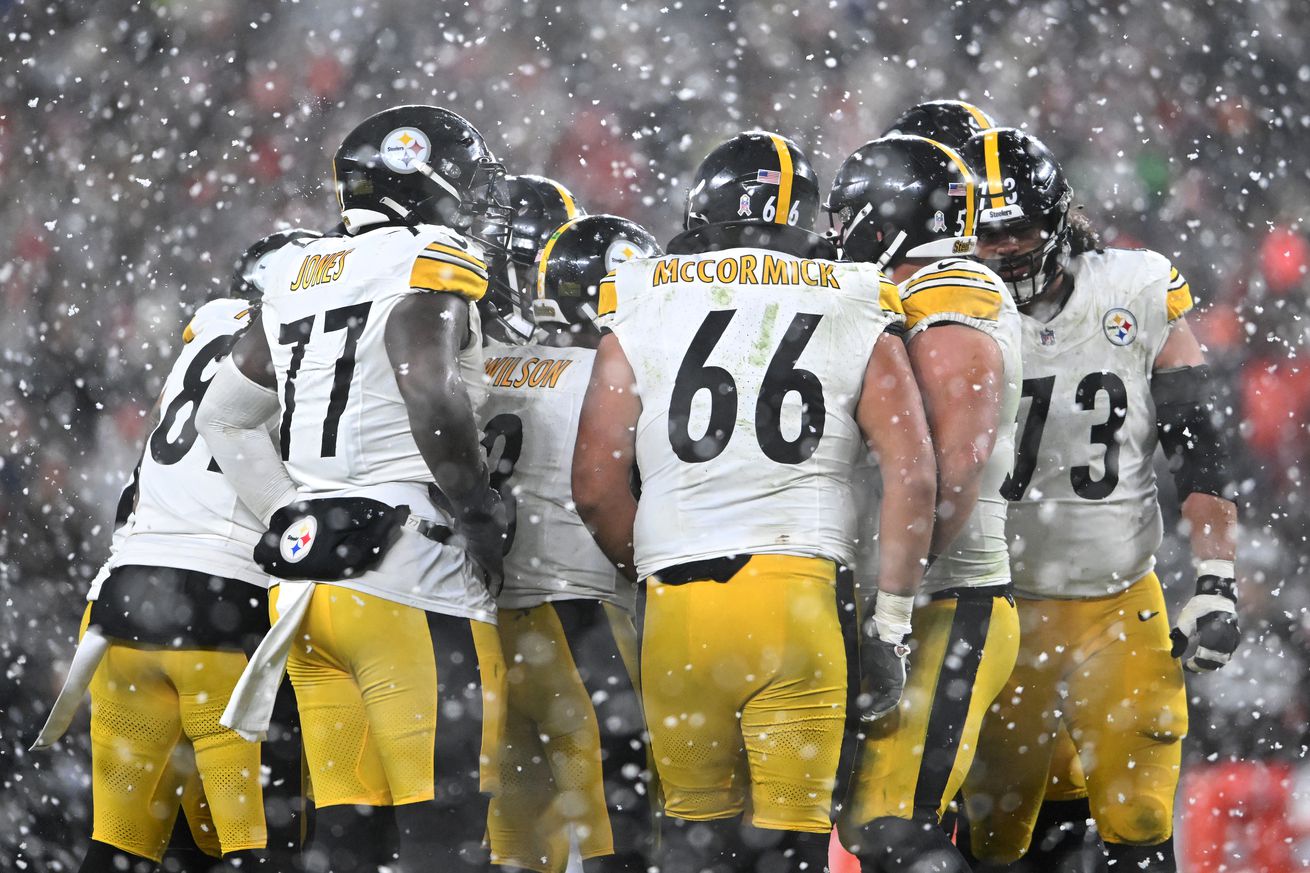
x,y
897,845
352,838
101,857
1060,840
435,835
1150,859
790,852
697,846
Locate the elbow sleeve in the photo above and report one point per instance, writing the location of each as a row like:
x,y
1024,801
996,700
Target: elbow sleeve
x,y
1190,424
232,420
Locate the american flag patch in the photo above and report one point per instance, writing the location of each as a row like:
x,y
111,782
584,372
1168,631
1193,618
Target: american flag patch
x,y
957,189
769,177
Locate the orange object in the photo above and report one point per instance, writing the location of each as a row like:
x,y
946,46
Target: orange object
x,y
840,860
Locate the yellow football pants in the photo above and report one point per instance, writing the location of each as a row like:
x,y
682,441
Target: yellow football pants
x,y
914,760
1065,780
154,729
365,672
1102,667
745,688
569,671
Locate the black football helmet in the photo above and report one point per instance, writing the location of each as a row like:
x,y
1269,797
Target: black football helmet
x,y
243,284
950,122
756,176
758,188
576,257
903,197
1021,185
425,164
538,205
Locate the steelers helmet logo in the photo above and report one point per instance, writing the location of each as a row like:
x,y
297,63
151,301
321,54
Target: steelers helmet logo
x,y
1120,326
403,148
619,251
299,539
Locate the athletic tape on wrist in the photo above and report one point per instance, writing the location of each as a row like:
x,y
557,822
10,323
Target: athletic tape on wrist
x,y
891,616
1215,567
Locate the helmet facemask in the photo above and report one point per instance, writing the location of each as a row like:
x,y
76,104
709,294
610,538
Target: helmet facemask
x,y
1028,273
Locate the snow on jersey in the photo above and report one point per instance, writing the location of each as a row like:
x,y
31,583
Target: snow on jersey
x,y
530,422
1085,521
326,305
344,427
186,515
966,292
749,364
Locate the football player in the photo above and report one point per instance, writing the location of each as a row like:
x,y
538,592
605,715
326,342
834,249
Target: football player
x,y
1111,369
744,373
538,206
574,758
907,204
368,355
171,616
1066,812
949,122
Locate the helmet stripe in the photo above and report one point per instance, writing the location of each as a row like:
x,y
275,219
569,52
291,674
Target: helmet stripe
x,y
992,157
545,256
570,208
969,184
784,187
984,120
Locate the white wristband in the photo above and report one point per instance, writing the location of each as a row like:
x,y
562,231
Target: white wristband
x,y
1215,567
891,616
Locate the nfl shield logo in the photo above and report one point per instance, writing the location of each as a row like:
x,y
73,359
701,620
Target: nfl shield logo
x,y
1047,336
744,205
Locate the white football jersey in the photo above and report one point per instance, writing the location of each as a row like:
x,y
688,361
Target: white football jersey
x,y
966,292
530,422
1085,521
749,364
186,515
344,427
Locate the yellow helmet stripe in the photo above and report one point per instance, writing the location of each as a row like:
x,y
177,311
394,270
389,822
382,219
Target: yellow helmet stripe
x,y
969,184
336,189
983,119
570,208
992,157
544,257
784,187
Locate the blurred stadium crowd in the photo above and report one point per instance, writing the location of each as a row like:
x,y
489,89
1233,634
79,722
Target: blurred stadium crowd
x,y
144,145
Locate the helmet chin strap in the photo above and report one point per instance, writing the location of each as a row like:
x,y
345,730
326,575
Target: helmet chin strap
x,y
426,169
891,249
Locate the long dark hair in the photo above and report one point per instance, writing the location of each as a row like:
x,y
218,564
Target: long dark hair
x,y
1083,235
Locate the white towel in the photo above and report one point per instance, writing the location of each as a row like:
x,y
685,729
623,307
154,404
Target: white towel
x,y
251,707
90,651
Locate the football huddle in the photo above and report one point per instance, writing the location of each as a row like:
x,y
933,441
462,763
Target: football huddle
x,y
580,549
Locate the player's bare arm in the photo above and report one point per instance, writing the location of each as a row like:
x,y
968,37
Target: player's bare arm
x,y
1212,519
232,420
424,336
604,454
1198,457
960,373
891,416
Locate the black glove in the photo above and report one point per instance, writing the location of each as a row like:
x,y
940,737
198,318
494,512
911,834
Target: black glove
x,y
883,670
481,529
1209,620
